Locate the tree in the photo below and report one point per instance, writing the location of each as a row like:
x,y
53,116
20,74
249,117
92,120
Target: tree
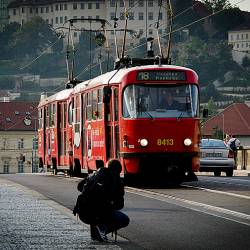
x,y
33,37
246,62
212,110
226,17
6,38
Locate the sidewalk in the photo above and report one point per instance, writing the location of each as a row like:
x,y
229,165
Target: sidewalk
x,y
29,220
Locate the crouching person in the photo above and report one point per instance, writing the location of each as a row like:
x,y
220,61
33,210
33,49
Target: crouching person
x,y
101,200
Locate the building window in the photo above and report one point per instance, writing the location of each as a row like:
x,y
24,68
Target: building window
x,y
246,36
131,3
97,6
61,6
14,12
6,167
97,17
51,8
75,6
121,3
82,6
31,10
52,21
232,37
56,19
75,34
82,17
237,45
20,167
74,17
65,19
238,37
21,144
112,3
150,32
61,19
131,16
122,16
41,9
112,15
141,16
23,10
150,3
47,9
150,16
65,6
56,7
141,3
89,6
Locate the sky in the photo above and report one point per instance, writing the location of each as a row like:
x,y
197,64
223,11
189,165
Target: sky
x,y
242,4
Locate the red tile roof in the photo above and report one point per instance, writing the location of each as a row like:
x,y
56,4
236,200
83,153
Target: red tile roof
x,y
236,121
12,116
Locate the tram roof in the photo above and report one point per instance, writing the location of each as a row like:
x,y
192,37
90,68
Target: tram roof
x,y
62,95
113,77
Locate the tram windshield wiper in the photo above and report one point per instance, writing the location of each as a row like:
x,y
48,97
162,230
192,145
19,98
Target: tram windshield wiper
x,y
148,114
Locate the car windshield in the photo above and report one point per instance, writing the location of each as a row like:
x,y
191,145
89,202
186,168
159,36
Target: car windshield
x,y
212,144
158,101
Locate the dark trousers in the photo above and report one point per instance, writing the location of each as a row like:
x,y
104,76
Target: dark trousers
x,y
115,221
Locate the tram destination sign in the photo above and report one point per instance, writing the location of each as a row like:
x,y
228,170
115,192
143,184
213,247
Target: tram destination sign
x,y
161,75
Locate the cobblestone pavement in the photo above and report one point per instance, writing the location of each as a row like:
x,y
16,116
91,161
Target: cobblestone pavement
x,y
28,220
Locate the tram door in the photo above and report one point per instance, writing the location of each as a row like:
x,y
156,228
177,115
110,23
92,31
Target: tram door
x,y
112,129
44,132
62,132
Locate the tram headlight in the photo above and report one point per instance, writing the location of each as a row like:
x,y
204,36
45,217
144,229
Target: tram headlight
x,y
187,142
143,142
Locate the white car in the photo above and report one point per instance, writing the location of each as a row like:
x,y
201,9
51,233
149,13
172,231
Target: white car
x,y
216,157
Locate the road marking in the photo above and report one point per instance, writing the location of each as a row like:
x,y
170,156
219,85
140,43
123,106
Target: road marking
x,y
218,192
226,182
227,214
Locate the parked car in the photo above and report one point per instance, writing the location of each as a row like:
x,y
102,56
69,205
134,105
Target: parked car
x,y
215,156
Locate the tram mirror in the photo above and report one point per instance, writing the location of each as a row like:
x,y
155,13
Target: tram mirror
x,y
205,113
107,94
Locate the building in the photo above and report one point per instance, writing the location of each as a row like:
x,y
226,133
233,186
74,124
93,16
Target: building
x,y
142,13
239,39
18,143
233,120
4,17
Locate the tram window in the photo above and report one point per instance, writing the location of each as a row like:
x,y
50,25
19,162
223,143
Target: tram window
x,y
89,107
70,114
152,101
51,116
116,104
94,105
40,119
77,109
47,117
99,103
65,115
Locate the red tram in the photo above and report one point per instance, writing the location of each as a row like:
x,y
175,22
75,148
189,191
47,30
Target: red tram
x,y
124,114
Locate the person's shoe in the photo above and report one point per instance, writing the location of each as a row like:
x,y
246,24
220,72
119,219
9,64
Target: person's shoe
x,y
97,233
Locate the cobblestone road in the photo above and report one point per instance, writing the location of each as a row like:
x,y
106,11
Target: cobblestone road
x,y
29,220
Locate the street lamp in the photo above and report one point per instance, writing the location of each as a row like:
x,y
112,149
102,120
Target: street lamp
x,y
28,119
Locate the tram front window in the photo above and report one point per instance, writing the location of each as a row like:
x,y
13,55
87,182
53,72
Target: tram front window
x,y
157,101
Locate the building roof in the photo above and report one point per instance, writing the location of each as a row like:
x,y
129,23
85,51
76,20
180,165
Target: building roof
x,y
18,116
235,118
